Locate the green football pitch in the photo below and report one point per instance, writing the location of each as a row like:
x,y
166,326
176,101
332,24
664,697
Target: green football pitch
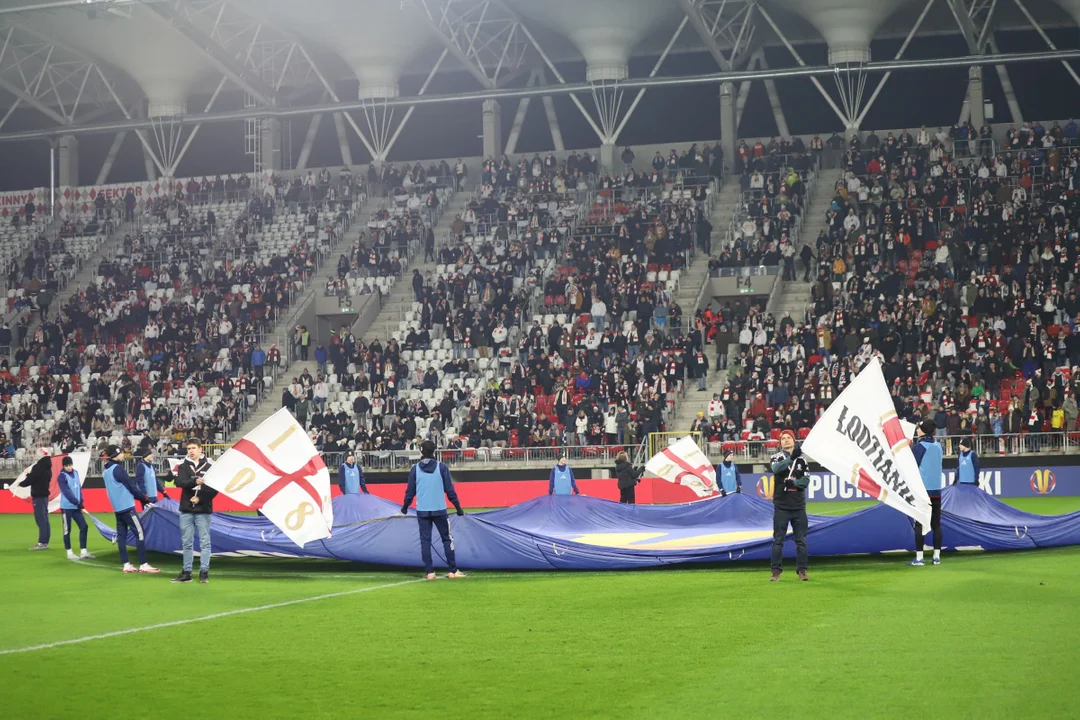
x,y
984,635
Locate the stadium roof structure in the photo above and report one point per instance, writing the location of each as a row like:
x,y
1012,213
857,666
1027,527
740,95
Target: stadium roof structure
x,y
115,66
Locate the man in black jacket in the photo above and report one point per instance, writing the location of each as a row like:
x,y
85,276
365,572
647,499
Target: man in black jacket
x,y
39,480
196,507
790,478
628,476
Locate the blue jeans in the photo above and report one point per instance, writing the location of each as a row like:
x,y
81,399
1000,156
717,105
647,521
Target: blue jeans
x,y
41,517
188,523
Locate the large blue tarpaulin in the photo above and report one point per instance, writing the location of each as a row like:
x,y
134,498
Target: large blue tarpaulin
x,y
578,533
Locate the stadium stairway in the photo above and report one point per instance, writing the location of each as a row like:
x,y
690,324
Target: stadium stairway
x,y
692,280
85,277
400,299
795,296
693,401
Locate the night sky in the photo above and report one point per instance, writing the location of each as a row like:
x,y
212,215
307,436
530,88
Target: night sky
x,y
912,98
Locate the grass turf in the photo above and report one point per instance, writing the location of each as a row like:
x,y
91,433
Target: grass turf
x,y
984,635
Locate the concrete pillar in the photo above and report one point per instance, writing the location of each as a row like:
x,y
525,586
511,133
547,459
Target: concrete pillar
x,y
271,144
493,147
68,161
608,157
728,127
975,97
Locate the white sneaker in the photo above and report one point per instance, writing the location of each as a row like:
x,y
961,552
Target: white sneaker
x,y
148,568
129,568
86,556
430,576
71,555
456,574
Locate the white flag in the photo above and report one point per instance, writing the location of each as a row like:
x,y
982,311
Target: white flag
x,y
80,461
277,470
684,464
861,439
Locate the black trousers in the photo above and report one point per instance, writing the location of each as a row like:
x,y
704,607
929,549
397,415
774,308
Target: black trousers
x,y
128,521
76,516
442,523
41,517
626,495
799,524
935,525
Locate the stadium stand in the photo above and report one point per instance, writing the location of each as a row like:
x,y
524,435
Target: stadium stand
x,y
172,337
948,259
516,330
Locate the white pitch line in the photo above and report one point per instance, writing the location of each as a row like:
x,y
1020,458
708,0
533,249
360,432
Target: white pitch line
x,y
214,616
271,575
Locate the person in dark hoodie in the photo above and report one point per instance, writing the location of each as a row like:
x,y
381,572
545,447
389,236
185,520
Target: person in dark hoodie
x,y
627,477
123,492
789,505
727,475
39,480
429,481
928,454
196,507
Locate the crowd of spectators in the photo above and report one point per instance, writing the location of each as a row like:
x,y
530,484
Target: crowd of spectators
x,y
953,261
602,359
171,339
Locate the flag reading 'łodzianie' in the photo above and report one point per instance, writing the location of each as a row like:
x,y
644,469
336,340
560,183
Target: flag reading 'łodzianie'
x,y
277,470
684,464
861,439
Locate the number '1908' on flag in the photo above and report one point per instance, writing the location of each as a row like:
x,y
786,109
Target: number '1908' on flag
x,y
277,470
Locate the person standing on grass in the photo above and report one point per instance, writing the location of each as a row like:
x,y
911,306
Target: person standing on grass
x,y
928,454
123,492
71,509
562,480
351,478
727,475
967,465
627,477
429,481
39,480
789,505
196,507
146,476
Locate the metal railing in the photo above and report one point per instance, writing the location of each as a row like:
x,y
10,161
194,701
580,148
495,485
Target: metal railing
x,y
389,460
1040,443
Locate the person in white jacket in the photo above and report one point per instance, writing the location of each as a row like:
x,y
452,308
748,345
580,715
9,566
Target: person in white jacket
x,y
611,426
581,426
851,222
319,394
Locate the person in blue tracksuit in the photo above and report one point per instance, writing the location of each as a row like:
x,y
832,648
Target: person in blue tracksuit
x,y
146,476
967,465
928,454
562,480
350,478
429,480
727,476
71,508
123,492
